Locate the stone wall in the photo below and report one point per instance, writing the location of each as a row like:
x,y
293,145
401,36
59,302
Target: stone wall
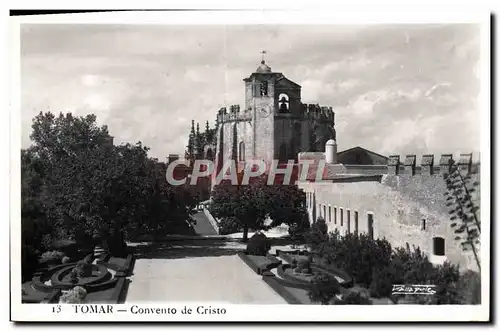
x,y
405,208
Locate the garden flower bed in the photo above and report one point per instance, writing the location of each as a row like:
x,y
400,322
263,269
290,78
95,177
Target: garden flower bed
x,y
105,282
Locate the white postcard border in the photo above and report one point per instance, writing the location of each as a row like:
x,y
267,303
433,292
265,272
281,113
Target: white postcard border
x,y
438,14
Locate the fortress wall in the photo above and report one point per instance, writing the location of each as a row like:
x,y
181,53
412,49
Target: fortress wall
x,y
398,203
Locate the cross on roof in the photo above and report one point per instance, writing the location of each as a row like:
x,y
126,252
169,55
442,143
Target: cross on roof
x,y
263,53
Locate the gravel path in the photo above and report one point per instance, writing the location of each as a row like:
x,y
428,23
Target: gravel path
x,y
216,279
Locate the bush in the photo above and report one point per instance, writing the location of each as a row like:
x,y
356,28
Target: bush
x,y
258,244
382,281
65,260
324,288
317,236
357,254
304,266
75,296
411,266
355,296
52,257
228,226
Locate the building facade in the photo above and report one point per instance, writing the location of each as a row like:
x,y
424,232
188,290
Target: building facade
x,y
273,123
402,202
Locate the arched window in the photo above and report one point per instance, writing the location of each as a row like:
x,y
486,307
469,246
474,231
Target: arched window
x,y
284,103
242,151
263,88
438,246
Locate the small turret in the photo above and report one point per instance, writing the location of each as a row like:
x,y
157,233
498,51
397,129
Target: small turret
x,y
331,151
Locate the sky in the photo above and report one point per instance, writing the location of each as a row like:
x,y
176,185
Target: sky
x,y
395,89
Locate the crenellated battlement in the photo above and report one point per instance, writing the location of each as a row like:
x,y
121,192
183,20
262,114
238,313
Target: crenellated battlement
x,y
427,165
308,111
233,115
317,112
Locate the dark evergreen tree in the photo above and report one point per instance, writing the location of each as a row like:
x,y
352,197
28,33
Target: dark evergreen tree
x,y
198,141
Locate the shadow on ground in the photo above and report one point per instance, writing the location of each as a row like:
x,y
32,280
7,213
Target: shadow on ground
x,y
185,249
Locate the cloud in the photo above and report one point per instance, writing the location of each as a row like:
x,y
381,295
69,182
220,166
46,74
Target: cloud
x,y
394,88
91,80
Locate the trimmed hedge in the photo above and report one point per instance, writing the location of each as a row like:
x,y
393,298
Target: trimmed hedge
x,y
120,293
348,281
281,290
121,271
260,267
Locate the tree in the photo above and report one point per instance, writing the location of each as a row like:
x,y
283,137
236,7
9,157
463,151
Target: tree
x,y
191,143
35,224
98,192
250,205
286,205
317,236
463,211
198,141
244,204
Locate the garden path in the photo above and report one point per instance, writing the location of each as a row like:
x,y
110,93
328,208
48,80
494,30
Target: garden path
x,y
221,277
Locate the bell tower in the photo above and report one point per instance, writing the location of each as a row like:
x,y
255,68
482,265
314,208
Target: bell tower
x,y
260,101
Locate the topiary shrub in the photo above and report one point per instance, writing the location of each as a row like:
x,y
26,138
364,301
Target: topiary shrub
x,y
304,266
324,288
258,244
65,260
52,257
89,258
294,263
75,296
84,267
73,276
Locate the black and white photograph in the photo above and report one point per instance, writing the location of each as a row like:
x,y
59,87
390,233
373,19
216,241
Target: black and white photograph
x,y
185,171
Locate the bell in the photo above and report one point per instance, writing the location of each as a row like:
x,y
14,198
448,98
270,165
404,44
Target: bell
x,y
283,99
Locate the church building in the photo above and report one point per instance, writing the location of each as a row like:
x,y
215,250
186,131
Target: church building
x,y
272,124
